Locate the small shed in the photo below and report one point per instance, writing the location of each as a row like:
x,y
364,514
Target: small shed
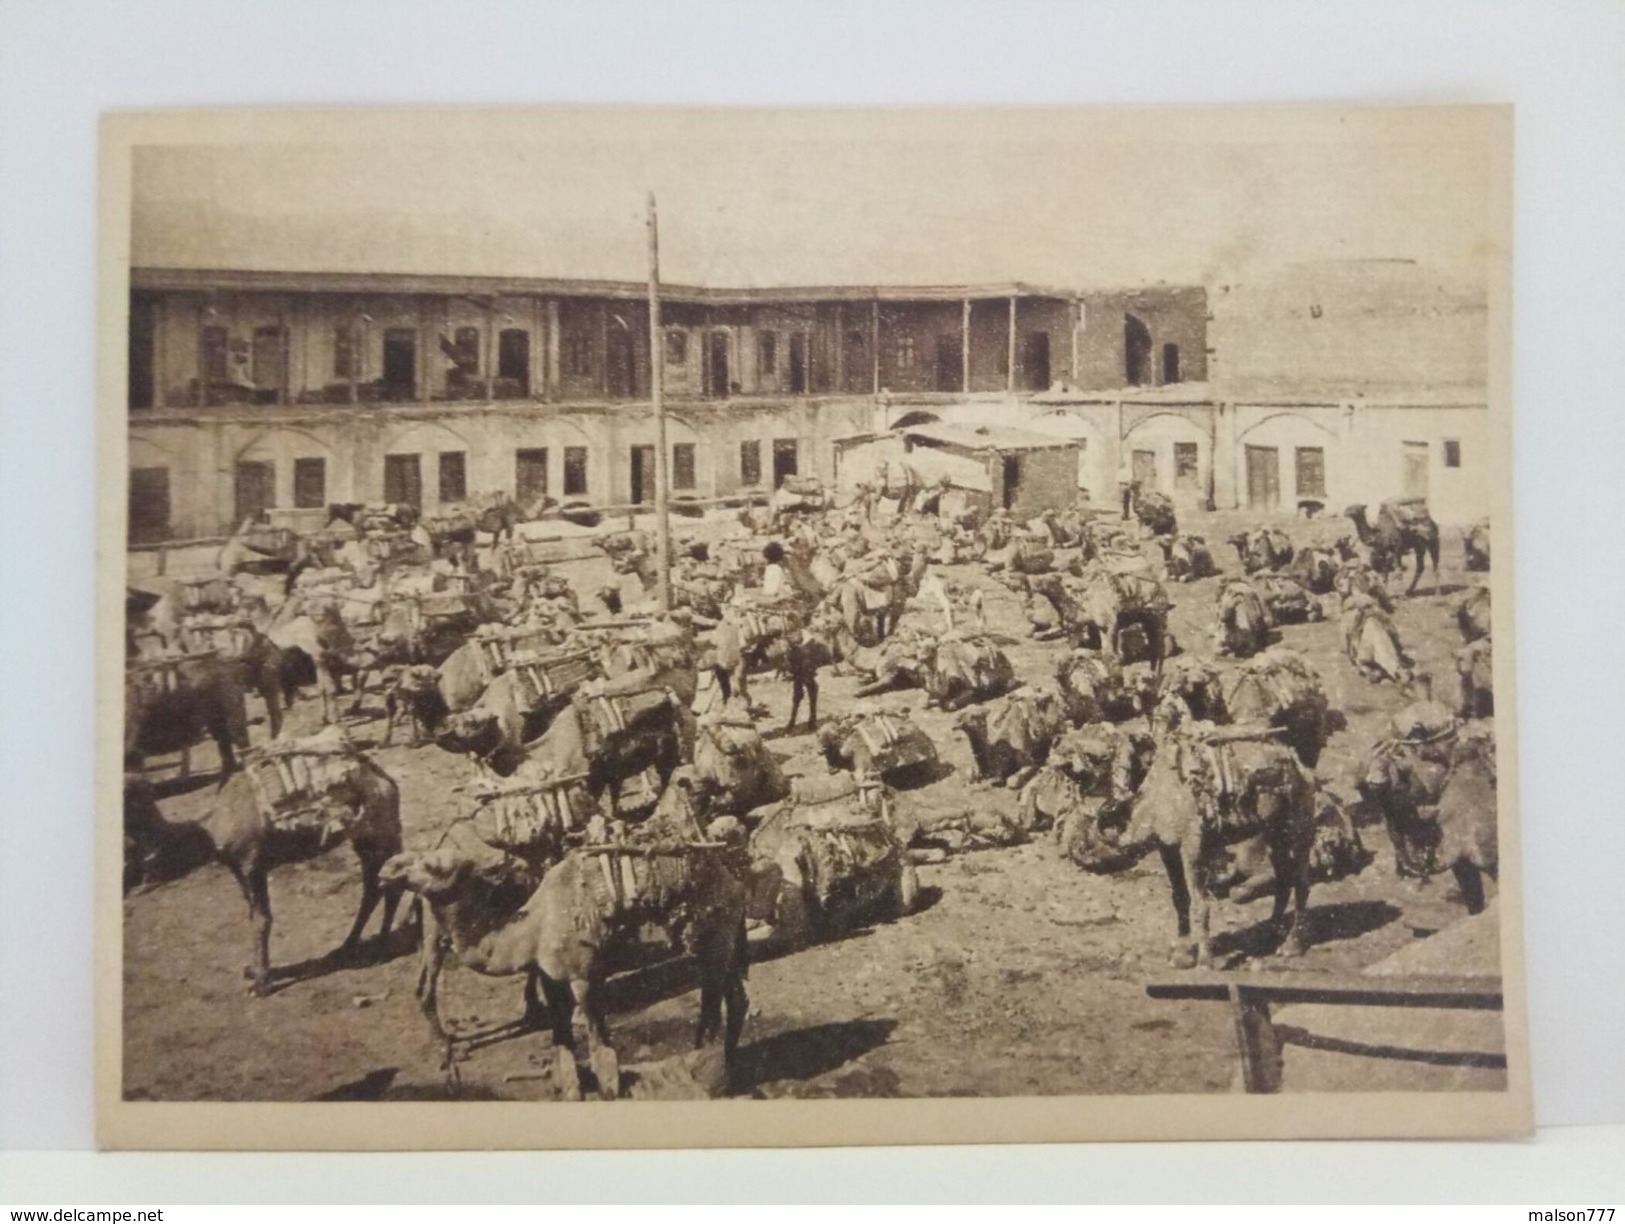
x,y
1019,470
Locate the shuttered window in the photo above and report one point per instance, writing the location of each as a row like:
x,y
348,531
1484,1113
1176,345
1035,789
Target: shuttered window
x,y
309,483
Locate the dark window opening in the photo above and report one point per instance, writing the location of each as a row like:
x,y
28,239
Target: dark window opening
x,y
309,483
1012,480
676,348
575,471
1187,467
621,364
786,459
1310,464
1452,453
575,355
149,505
717,379
215,357
463,374
950,373
1136,352
767,354
856,356
344,354
643,474
800,364
400,364
513,363
682,465
143,334
254,491
1035,361
267,363
750,463
1170,363
453,476
530,474
403,481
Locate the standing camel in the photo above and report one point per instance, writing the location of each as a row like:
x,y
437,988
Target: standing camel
x,y
365,808
1397,533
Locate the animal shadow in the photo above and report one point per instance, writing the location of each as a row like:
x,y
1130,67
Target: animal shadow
x,y
806,1053
916,777
380,1085
1321,924
401,941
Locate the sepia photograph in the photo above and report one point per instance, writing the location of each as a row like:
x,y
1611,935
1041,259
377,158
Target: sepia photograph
x,y
660,627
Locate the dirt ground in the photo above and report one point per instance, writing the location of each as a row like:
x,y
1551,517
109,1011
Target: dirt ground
x,y
1019,974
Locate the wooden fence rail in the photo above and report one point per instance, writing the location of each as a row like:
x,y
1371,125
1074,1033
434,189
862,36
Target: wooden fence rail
x,y
1251,996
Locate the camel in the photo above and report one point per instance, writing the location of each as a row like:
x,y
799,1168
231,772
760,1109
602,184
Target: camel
x,y
1475,672
1244,622
170,704
1402,527
1476,544
1473,615
1315,568
1372,643
562,936
1438,801
1092,688
363,806
1203,792
1011,739
1092,775
1266,548
828,854
959,671
1191,690
883,744
772,636
1186,558
611,738
1112,603
730,758
1155,512
1280,689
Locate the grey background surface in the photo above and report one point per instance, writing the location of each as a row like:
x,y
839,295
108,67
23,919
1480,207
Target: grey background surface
x,y
63,63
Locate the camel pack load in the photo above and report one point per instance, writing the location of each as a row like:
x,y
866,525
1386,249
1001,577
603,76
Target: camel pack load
x,y
227,635
167,674
893,739
840,827
297,782
800,493
522,816
1221,771
211,593
498,644
1337,852
1407,511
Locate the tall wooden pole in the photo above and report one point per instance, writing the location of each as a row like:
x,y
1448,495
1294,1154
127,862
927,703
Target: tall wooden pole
x,y
657,378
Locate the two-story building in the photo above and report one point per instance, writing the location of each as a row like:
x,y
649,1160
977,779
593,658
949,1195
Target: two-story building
x,y
254,390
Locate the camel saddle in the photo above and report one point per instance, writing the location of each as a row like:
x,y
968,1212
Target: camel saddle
x,y
894,740
544,676
498,644
166,674
228,636
295,781
525,817
202,594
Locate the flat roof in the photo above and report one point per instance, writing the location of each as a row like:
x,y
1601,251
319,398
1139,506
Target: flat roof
x,y
986,437
274,281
